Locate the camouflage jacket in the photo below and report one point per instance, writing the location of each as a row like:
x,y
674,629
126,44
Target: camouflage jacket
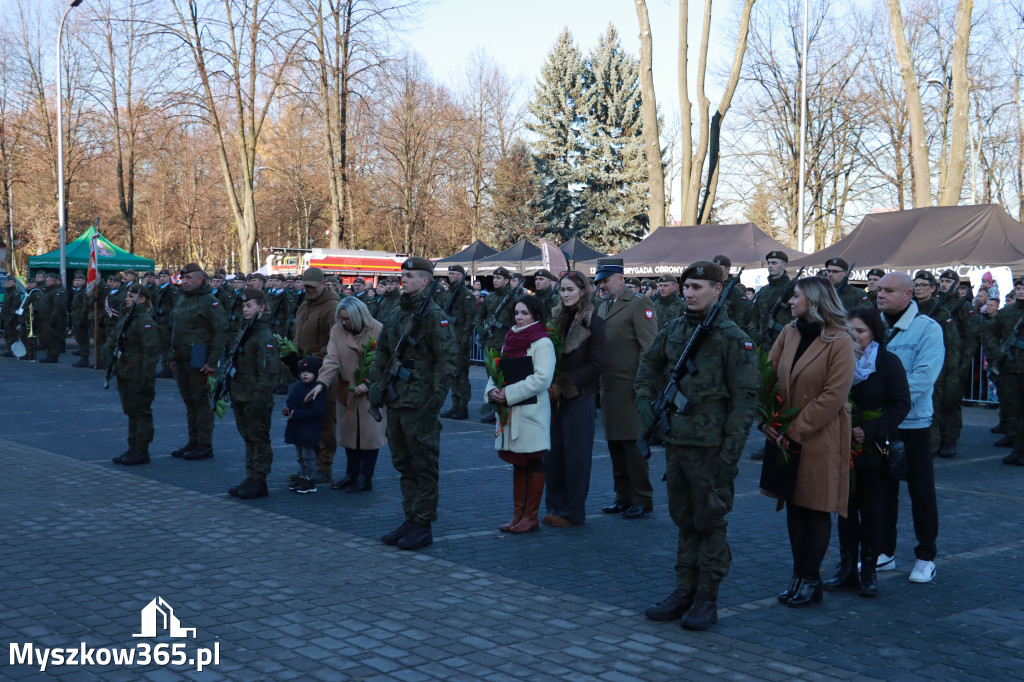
x,y
198,320
852,297
460,307
764,301
140,347
1004,339
164,300
506,318
258,366
668,308
950,331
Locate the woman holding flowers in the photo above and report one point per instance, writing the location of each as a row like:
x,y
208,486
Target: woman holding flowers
x,y
523,433
346,366
577,380
814,358
881,401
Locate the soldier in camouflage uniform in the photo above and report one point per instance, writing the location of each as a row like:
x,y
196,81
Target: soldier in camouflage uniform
x,y
111,300
81,309
738,307
667,304
460,307
414,431
766,298
874,274
1004,341
135,369
946,418
257,364
505,319
164,300
389,300
197,342
703,446
545,285
53,313
279,313
12,300
376,296
837,270
234,308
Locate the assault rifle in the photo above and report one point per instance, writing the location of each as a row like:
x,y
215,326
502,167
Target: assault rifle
x,y
395,369
1012,341
455,294
220,388
769,323
942,301
671,400
492,321
119,342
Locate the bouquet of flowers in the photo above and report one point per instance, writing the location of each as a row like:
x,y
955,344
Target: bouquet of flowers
x,y
769,402
222,406
492,363
557,340
365,362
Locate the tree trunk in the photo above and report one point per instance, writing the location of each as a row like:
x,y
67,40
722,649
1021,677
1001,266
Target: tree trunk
x,y
949,192
921,169
652,134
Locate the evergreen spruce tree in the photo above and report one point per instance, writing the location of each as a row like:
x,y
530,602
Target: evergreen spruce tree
x,y
514,193
614,199
558,110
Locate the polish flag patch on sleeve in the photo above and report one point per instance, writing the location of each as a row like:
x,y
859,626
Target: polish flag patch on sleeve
x,y
216,303
444,323
748,345
270,346
649,314
147,326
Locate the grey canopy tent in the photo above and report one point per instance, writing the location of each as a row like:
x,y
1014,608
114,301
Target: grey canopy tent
x,y
930,238
466,258
519,257
576,250
669,249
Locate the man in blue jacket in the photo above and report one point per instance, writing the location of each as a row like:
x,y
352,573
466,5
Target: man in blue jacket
x,y
916,340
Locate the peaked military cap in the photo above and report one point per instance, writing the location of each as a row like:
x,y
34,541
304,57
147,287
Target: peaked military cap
x,y
703,269
502,272
781,255
313,276
417,263
607,267
253,295
877,272
838,263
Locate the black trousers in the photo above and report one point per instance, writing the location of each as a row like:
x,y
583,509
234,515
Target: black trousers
x,y
862,526
921,486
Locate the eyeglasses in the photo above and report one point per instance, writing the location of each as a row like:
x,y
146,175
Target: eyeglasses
x,y
922,285
836,272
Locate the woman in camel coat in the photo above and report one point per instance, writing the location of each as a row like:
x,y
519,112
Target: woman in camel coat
x,y
357,431
815,358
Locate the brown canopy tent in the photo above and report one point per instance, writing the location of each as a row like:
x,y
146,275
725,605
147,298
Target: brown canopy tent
x,y
930,238
669,249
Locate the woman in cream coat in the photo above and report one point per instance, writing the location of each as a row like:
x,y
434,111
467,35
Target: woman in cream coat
x,y
358,433
525,436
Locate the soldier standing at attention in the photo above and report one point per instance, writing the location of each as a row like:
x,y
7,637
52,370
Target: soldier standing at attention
x,y
495,337
630,328
29,320
164,300
1004,337
837,270
135,369
110,302
53,312
738,307
702,446
460,307
388,301
946,416
667,304
874,274
414,431
12,300
81,308
766,299
313,322
252,395
545,289
359,290
197,342
234,309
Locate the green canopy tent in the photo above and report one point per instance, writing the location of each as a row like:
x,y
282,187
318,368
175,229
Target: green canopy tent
x,y
111,258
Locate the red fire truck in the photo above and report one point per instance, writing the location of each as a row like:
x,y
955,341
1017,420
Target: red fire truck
x,y
346,265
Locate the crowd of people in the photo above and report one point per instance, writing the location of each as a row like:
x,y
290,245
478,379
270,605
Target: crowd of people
x,y
871,380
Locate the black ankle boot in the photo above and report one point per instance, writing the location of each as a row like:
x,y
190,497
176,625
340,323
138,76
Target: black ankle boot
x,y
794,587
846,576
703,614
809,592
868,578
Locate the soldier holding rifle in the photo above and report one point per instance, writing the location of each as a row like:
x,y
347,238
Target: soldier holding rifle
x,y
496,316
769,312
718,382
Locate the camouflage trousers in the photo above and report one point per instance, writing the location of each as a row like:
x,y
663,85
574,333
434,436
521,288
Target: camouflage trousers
x,y
947,419
81,329
415,451
196,395
698,510
1011,405
328,445
137,403
461,390
165,344
253,421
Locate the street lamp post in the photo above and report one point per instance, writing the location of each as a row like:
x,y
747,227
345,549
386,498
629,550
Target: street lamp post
x,y
60,151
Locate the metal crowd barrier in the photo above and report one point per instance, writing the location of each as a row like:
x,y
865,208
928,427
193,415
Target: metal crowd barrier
x,y
979,389
476,353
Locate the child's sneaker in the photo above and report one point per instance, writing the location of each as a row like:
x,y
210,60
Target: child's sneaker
x,y
304,486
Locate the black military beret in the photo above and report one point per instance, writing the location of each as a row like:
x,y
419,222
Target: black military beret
x,y
258,275
502,272
721,260
457,268
950,274
253,295
417,263
131,271
1018,282
191,267
876,272
781,255
163,272
139,288
79,273
633,281
545,273
925,274
838,263
703,269
669,278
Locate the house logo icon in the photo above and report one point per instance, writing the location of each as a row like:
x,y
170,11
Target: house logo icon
x,y
159,612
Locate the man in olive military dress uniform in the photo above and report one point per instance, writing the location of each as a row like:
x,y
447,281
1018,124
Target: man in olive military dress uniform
x,y
494,339
414,430
630,327
197,342
460,307
29,319
667,304
703,445
54,313
1004,339
762,330
135,369
164,299
837,270
81,317
946,417
251,389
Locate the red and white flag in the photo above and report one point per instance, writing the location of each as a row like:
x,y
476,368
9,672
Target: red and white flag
x,y
93,274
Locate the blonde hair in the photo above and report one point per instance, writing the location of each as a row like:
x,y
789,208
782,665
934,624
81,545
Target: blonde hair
x,y
824,306
358,314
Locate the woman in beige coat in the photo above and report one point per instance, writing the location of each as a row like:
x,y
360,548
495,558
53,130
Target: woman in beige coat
x,y
815,358
357,432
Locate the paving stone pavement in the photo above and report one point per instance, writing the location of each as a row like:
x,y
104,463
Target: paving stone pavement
x,y
293,586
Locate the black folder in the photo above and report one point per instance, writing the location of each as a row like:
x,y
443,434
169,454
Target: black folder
x,y
516,370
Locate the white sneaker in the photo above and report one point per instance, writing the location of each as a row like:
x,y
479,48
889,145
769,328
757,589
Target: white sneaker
x,y
886,563
923,571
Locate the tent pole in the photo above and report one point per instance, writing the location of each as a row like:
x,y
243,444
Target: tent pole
x,y
96,324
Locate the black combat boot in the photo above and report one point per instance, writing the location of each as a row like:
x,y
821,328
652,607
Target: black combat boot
x,y
947,450
180,452
461,413
447,414
201,452
120,458
1004,442
671,607
794,587
233,490
809,592
703,613
846,576
418,537
344,482
868,577
135,457
1015,457
397,534
252,489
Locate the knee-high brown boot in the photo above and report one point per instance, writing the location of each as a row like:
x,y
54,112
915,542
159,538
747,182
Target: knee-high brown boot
x,y
534,491
518,498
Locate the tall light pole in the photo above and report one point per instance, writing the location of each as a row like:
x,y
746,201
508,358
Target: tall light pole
x,y
60,151
803,137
